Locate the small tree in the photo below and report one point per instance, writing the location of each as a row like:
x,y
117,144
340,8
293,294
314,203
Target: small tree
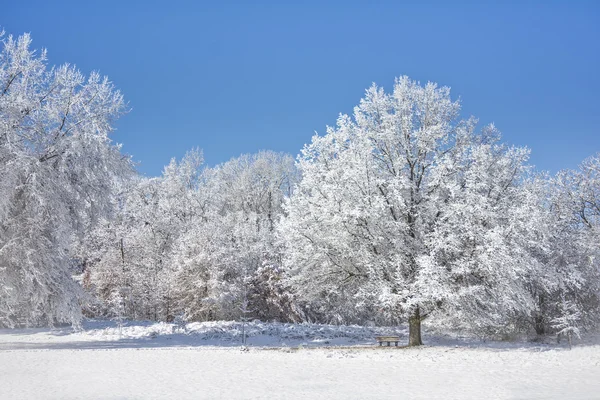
x,y
567,323
117,307
244,309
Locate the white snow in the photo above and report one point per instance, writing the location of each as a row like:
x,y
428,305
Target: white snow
x,y
205,361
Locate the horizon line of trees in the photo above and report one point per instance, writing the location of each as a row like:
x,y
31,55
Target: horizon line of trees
x,y
402,212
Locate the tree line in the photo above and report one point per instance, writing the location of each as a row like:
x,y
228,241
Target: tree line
x,y
402,212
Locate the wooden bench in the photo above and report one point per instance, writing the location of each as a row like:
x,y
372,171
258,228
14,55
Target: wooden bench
x,y
387,339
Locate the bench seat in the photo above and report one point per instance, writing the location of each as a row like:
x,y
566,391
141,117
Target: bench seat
x,y
387,339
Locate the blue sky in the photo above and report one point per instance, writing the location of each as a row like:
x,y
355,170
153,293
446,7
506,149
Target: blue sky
x,y
238,77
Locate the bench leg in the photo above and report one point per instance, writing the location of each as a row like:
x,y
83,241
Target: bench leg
x,y
396,343
380,344
388,344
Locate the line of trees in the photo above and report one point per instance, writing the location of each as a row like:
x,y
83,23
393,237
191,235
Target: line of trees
x,y
401,212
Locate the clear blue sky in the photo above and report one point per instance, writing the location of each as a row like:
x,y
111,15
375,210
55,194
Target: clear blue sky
x,y
238,77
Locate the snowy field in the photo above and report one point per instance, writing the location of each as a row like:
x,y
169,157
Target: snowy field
x,y
283,361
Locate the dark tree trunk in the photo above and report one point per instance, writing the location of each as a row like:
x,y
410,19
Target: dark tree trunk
x,y
414,328
540,326
540,323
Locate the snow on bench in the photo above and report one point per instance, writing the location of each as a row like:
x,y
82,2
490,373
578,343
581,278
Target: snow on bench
x,y
388,339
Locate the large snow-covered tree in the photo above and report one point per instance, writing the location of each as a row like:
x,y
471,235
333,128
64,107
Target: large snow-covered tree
x,y
405,208
57,169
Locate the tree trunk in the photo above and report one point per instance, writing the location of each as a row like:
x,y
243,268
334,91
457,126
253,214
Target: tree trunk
x,y
540,326
539,320
414,329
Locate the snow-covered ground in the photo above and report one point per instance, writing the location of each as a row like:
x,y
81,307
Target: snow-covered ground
x,y
283,361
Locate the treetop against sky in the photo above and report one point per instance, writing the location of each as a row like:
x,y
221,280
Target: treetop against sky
x,y
238,77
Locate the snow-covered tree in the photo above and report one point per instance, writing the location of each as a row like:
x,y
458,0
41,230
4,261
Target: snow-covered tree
x,y
183,243
135,251
57,170
234,237
404,209
573,256
567,322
